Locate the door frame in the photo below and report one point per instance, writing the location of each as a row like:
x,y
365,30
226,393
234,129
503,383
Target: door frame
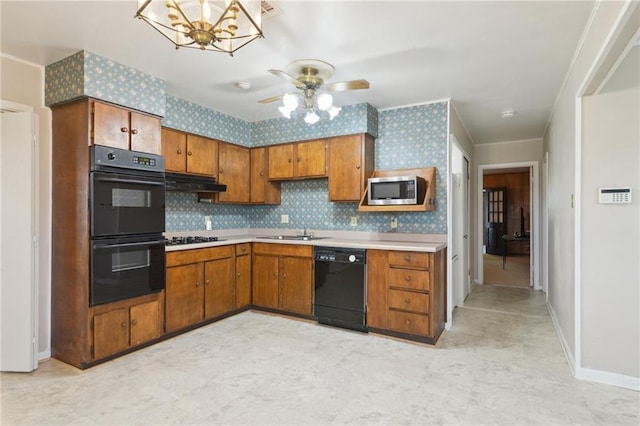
x,y
534,183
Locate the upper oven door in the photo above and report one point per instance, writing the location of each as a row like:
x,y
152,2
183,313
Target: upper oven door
x,y
126,204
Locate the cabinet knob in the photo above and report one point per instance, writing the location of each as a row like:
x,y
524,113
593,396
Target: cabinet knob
x,y
243,249
188,152
261,173
134,322
407,278
284,275
238,274
124,130
206,282
407,300
123,325
197,283
179,151
289,160
275,274
299,159
358,166
134,131
407,321
221,171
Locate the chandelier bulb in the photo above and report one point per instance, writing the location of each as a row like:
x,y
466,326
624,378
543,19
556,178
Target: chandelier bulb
x,y
311,117
290,101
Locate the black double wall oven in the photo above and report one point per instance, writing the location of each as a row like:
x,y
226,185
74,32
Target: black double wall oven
x,y
127,209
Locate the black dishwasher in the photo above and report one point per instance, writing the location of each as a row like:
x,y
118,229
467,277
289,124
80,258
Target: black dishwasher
x,y
340,295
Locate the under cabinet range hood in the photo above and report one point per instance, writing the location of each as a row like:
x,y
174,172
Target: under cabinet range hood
x,y
191,183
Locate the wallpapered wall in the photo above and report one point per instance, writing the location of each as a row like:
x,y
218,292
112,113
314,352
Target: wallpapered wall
x,y
406,138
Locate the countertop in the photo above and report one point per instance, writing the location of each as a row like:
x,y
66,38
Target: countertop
x,y
347,239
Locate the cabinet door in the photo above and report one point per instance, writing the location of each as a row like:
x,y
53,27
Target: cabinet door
x,y
110,332
184,296
262,190
145,133
174,149
202,155
265,281
346,175
311,159
296,292
281,161
219,284
233,165
145,322
243,281
377,288
110,126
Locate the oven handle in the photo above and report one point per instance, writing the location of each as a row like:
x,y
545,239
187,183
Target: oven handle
x,y
144,182
144,243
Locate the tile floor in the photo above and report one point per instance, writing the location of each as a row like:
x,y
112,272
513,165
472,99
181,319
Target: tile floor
x,y
501,363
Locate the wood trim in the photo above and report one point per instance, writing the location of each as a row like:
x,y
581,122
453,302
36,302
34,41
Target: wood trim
x,y
429,203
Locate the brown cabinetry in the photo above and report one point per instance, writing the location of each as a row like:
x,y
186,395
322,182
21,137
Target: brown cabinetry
x,y
283,277
123,325
263,191
233,164
243,275
406,293
118,127
351,163
297,160
187,153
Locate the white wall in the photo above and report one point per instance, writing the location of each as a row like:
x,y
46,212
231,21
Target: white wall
x,y
610,246
23,83
559,141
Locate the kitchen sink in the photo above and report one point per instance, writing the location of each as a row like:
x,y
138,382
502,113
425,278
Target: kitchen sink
x,y
292,237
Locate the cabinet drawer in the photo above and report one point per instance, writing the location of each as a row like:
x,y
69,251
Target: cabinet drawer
x,y
242,249
409,301
408,323
283,249
185,257
409,259
408,278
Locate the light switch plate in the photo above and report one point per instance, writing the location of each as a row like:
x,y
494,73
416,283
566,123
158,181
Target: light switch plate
x,y
354,220
284,218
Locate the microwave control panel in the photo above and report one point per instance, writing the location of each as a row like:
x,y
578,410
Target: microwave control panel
x,y
614,195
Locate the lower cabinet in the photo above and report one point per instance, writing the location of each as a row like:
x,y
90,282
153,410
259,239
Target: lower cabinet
x,y
243,275
406,293
283,277
121,325
200,285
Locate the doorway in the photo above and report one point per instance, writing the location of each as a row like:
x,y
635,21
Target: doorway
x,y
508,225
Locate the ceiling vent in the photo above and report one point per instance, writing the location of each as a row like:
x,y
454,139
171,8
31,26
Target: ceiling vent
x,y
268,10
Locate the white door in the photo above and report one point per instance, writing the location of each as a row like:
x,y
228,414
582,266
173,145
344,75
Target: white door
x,y
18,232
459,250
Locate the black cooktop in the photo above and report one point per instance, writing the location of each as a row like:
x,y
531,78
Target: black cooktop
x,y
177,241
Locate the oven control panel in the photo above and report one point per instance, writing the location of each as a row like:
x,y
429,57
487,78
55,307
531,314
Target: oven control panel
x,y
106,157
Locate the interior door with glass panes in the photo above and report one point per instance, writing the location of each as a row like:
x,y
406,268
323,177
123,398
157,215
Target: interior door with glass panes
x,y
496,219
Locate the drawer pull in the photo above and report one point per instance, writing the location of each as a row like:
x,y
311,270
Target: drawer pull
x,y
407,278
124,130
407,258
407,321
407,300
243,249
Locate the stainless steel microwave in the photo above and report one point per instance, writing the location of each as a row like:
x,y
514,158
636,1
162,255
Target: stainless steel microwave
x,y
396,190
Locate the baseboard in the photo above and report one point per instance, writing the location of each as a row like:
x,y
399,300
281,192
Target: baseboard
x,y
607,378
563,342
44,355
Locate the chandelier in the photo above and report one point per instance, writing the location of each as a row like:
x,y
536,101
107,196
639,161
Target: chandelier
x,y
310,104
218,25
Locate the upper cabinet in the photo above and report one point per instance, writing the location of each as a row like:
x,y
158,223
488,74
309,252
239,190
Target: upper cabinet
x,y
125,129
263,191
351,161
298,160
233,164
187,153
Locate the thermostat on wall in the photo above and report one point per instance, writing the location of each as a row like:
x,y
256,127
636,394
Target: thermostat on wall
x,y
614,195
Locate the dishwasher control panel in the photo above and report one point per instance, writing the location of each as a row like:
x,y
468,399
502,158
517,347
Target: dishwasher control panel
x,y
337,254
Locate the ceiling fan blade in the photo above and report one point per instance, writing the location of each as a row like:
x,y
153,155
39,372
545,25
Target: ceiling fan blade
x,y
341,86
282,74
271,99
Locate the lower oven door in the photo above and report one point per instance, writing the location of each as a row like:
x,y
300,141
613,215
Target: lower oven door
x,y
126,267
124,204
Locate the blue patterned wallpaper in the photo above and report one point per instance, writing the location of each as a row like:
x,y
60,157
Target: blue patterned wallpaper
x,y
408,137
87,74
192,118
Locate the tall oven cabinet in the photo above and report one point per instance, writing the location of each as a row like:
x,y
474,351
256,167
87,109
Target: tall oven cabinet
x,y
81,334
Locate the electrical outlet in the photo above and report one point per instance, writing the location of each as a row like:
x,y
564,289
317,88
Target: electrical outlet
x,y
394,222
284,218
354,220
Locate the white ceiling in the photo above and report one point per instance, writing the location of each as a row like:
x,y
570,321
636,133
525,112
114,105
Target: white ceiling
x,y
486,56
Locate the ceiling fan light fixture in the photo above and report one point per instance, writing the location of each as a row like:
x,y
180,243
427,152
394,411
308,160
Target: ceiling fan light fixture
x,y
325,101
285,111
217,25
311,117
290,101
333,112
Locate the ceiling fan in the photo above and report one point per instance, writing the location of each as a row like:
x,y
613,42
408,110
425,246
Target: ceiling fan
x,y
309,76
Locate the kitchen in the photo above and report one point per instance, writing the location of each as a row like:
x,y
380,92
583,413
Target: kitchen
x,y
272,215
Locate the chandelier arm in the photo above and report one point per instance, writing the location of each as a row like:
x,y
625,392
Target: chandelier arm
x,y
179,9
256,26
